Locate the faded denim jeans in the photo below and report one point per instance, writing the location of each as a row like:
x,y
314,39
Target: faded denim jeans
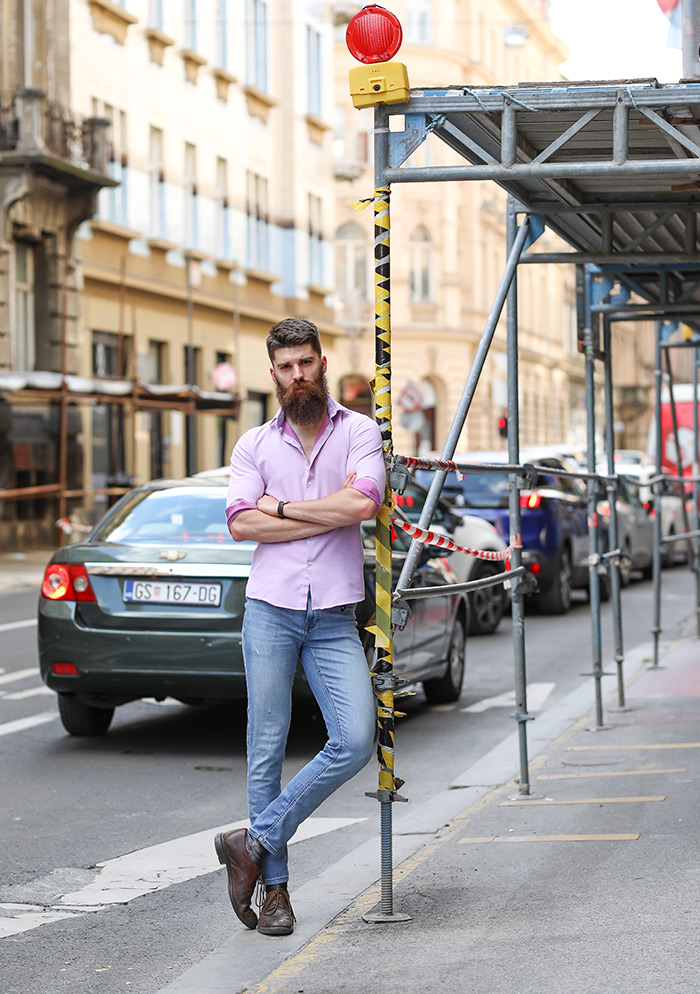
x,y
331,654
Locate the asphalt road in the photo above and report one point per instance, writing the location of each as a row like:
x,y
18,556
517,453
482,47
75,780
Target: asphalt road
x,y
167,772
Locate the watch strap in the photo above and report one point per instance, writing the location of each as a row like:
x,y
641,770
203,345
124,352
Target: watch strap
x,y
280,508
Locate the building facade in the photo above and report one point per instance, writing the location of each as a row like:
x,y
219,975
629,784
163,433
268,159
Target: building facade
x,y
448,248
211,220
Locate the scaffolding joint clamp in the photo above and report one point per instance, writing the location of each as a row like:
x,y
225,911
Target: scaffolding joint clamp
x,y
400,613
522,718
526,479
386,796
397,477
387,681
522,585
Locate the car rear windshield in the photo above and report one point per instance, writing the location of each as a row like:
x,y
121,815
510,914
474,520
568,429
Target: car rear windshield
x,y
176,516
475,490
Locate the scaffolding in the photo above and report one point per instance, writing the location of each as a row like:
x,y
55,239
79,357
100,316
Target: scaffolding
x,y
613,168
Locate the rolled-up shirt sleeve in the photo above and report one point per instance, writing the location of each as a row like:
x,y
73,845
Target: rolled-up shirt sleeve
x,y
365,457
245,485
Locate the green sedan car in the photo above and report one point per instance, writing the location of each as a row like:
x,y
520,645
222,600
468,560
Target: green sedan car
x,y
151,605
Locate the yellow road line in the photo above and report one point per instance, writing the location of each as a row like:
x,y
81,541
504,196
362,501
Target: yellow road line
x,y
625,837
615,748
616,773
546,802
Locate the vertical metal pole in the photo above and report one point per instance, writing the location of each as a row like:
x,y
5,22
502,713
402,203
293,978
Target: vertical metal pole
x,y
656,489
514,516
383,676
614,566
676,436
190,423
593,553
696,490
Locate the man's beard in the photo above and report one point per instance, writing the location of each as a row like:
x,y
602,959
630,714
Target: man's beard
x,y
304,403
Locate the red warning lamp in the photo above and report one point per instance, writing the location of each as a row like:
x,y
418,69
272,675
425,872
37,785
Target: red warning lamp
x,y
374,35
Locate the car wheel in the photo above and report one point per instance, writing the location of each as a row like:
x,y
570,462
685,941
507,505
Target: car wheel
x,y
556,599
447,688
82,719
486,606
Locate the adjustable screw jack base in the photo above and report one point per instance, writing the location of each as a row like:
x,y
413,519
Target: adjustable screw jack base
x,y
376,917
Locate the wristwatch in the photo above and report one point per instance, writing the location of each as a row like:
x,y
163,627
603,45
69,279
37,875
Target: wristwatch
x,y
280,508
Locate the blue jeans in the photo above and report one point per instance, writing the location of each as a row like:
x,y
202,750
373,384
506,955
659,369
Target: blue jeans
x,y
331,654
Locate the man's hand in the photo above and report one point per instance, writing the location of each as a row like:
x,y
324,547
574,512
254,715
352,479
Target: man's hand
x,y
268,504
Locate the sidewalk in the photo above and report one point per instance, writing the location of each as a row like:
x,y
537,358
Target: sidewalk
x,y
19,570
589,885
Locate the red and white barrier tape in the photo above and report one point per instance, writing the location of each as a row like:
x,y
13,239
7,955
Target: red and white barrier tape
x,y
412,462
67,527
442,542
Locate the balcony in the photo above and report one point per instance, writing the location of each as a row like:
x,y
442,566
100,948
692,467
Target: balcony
x,y
53,139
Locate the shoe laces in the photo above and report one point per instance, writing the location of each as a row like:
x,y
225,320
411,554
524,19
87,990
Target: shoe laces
x,y
268,901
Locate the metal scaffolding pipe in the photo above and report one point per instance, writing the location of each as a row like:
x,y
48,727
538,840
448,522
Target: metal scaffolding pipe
x,y
593,537
696,492
514,513
656,490
614,537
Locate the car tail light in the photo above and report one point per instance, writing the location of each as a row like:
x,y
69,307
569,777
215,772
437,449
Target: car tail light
x,y
67,582
534,568
64,669
81,583
530,500
604,510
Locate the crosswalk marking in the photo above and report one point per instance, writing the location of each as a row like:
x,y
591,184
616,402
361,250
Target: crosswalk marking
x,y
21,695
120,880
8,626
19,674
537,694
32,721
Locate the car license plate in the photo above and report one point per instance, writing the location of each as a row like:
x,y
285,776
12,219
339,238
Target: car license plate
x,y
172,592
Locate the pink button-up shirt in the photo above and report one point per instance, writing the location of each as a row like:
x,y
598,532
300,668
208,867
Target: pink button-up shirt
x,y
271,460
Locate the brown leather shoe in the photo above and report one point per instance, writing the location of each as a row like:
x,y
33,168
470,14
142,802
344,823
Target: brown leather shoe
x,y
276,915
242,873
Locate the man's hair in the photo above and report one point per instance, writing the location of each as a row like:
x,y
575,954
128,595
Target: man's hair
x,y
290,332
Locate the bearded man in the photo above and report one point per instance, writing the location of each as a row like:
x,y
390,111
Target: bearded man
x,y
300,486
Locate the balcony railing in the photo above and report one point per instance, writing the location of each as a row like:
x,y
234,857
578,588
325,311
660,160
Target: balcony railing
x,y
31,124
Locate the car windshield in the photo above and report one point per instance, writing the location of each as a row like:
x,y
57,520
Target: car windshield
x,y
176,516
478,490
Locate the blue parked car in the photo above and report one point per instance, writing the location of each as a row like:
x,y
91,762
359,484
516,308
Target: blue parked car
x,y
554,521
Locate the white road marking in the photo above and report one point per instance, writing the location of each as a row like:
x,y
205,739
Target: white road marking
x,y
21,695
8,626
120,880
537,694
19,674
21,723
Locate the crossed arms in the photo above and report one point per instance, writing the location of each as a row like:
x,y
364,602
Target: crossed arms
x,y
303,518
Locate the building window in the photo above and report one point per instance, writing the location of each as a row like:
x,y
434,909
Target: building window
x,y
352,268
114,201
223,246
190,197
157,218
222,34
190,34
421,248
111,354
258,240
24,334
315,241
256,43
313,69
155,14
419,22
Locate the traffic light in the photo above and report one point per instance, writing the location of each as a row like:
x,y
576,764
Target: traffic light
x,y
503,425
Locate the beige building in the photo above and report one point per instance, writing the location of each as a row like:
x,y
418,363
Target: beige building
x,y
448,245
211,220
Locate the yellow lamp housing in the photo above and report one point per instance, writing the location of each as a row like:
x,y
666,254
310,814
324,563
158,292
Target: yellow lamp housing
x,y
379,83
